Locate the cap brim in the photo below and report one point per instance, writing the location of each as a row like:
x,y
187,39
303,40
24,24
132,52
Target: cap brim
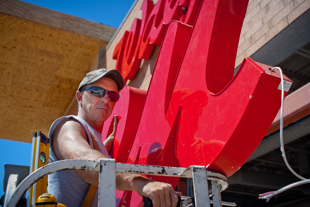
x,y
117,77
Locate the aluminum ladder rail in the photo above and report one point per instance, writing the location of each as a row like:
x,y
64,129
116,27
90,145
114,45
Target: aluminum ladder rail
x,y
107,179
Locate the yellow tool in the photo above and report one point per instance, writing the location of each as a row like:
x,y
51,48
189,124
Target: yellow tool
x,y
48,200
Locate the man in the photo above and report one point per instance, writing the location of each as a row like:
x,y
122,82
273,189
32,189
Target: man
x,y
78,137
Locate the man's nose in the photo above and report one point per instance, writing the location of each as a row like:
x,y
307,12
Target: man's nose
x,y
105,98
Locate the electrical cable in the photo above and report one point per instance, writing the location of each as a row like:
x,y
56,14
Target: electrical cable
x,y
269,195
281,128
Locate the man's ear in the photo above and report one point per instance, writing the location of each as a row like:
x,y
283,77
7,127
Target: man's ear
x,y
78,96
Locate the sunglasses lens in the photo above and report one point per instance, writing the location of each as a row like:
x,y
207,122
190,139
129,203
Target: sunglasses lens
x,y
113,96
98,92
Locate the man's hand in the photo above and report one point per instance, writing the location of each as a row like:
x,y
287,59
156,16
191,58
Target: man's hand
x,y
161,194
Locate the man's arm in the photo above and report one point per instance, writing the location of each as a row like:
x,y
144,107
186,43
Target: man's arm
x,y
69,141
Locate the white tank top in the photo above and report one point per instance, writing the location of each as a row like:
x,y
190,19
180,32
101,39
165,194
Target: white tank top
x,y
68,187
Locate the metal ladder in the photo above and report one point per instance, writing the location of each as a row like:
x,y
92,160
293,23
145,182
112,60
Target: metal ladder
x,y
207,184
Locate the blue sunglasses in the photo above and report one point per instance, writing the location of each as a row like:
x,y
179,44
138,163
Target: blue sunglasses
x,y
100,92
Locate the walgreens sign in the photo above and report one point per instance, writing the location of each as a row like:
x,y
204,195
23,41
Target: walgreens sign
x,y
146,33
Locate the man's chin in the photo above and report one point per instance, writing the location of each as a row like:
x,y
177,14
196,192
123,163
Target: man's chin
x,y
102,111
102,117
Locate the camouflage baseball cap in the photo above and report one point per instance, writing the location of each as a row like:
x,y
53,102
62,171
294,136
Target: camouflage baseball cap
x,y
95,75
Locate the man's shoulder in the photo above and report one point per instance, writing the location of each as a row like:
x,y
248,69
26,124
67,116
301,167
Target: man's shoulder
x,y
69,125
67,121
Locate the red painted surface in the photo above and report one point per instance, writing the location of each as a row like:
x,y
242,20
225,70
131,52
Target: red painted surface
x,y
196,111
128,110
145,34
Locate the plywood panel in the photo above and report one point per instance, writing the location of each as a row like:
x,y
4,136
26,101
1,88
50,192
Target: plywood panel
x,y
40,70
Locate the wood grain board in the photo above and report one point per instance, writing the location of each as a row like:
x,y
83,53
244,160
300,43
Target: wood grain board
x,y
40,69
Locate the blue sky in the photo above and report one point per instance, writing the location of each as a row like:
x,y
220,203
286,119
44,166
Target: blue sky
x,y
108,12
